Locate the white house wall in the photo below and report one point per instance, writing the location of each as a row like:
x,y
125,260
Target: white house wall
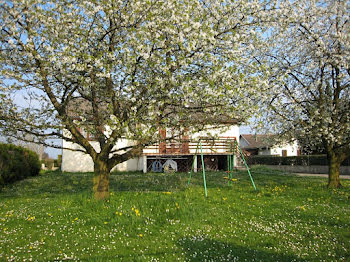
x,y
292,150
225,132
228,131
74,161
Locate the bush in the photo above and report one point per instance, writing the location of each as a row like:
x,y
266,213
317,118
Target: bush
x,y
49,163
17,163
309,160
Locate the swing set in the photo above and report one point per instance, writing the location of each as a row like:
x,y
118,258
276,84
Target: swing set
x,y
231,148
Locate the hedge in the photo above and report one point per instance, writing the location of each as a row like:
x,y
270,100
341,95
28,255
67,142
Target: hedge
x,y
17,163
308,160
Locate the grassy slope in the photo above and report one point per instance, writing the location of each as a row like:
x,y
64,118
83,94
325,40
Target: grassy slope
x,y
156,217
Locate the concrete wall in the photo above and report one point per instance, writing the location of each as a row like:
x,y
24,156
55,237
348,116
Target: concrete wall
x,y
344,170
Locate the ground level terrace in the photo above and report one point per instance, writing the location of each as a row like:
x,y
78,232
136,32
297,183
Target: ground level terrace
x,y
186,154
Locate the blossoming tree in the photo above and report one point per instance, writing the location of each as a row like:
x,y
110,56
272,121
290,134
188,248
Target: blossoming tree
x,y
309,54
126,65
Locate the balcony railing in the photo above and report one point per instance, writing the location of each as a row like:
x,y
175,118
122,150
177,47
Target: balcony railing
x,y
212,146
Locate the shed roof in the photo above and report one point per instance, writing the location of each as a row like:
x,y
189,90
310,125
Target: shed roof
x,y
257,141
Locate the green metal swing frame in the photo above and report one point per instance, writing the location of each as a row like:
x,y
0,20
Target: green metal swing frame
x,y
232,147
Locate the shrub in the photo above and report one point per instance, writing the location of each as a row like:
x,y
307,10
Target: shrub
x,y
17,163
308,160
49,163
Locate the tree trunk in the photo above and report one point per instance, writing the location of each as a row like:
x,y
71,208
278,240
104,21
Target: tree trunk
x,y
334,170
101,180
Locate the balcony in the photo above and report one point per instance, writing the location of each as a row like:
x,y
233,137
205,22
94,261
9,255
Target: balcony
x,y
210,146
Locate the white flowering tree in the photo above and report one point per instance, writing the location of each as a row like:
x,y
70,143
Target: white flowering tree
x,y
119,68
309,54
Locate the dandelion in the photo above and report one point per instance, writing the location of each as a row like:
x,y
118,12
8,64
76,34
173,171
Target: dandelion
x,y
30,218
302,208
167,193
140,235
105,223
118,213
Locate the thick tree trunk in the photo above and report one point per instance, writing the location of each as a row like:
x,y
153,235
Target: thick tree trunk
x,y
101,180
334,170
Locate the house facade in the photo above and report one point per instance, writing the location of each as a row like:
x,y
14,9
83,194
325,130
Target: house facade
x,y
214,143
264,145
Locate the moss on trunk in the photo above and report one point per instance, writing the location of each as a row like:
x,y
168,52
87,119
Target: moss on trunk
x,y
101,180
334,170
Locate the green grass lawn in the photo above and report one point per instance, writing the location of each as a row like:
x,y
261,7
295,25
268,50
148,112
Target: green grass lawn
x,y
156,217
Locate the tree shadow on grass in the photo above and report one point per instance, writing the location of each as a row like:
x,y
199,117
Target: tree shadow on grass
x,y
205,249
54,183
139,182
50,183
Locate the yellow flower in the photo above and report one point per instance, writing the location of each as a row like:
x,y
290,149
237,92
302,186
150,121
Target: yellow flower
x,y
302,208
30,218
105,223
140,235
167,193
137,212
224,198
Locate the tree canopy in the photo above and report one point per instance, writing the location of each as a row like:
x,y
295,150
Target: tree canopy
x,y
309,57
128,65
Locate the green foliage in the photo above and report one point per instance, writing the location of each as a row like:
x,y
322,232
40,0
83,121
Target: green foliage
x,y
309,160
155,217
17,163
49,163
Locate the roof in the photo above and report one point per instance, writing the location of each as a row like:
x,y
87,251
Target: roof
x,y
257,141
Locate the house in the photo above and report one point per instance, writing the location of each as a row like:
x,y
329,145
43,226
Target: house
x,y
216,142
265,145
